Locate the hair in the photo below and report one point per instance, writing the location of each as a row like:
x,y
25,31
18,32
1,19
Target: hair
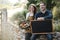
x,y
35,9
42,2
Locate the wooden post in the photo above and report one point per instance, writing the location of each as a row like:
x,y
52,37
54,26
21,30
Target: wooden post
x,y
4,24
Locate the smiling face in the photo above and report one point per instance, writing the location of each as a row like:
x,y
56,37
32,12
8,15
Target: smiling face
x,y
42,6
31,8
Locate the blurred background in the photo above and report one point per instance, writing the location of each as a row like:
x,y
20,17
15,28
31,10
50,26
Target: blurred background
x,y
12,12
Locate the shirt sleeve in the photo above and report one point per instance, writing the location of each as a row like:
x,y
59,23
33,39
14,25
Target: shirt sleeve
x,y
49,16
36,16
27,16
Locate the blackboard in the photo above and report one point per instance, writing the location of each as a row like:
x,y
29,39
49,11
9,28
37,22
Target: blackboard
x,y
41,26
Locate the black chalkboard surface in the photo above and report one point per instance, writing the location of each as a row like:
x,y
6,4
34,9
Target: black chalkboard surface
x,y
41,26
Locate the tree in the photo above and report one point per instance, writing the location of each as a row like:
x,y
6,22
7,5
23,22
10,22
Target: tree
x,y
49,3
24,12
18,17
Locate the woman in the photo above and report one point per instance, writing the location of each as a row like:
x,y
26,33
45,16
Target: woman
x,y
30,16
31,13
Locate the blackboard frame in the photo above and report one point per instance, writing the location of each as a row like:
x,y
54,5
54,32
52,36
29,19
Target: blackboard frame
x,y
42,32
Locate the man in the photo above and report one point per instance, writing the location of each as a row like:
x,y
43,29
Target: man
x,y
44,14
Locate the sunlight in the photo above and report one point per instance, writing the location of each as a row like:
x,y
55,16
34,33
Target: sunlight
x,y
13,1
16,1
23,1
14,10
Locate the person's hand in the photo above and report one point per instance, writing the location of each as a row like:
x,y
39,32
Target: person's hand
x,y
40,19
23,25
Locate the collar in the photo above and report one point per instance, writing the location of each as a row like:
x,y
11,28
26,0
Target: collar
x,y
43,11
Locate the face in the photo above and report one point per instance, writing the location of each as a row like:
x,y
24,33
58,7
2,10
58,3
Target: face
x,y
42,7
31,8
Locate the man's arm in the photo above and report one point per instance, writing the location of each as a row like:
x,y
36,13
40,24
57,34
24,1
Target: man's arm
x,y
49,16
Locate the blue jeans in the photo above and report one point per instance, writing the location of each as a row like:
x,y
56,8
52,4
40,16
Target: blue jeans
x,y
34,36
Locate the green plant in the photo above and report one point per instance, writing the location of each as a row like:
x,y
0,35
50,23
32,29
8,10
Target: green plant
x,y
57,29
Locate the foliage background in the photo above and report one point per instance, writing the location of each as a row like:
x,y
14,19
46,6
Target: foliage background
x,y
53,5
